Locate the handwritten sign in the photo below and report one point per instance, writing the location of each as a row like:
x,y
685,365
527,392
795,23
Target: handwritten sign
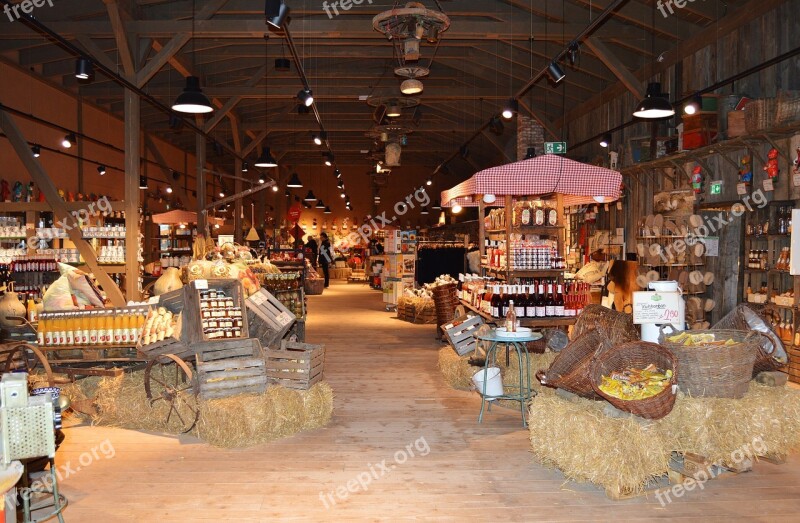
x,y
656,307
796,179
768,185
741,189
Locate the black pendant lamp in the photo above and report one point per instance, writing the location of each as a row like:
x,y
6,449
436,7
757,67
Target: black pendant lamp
x,y
294,182
320,204
192,100
655,105
266,159
310,197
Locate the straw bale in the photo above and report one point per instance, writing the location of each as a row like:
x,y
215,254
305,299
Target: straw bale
x,y
623,454
457,372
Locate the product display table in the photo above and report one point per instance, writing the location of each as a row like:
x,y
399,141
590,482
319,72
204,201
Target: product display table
x,y
521,393
336,274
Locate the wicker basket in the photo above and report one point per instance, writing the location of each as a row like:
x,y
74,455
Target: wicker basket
x,y
788,108
759,115
617,326
570,369
720,371
314,287
770,352
637,354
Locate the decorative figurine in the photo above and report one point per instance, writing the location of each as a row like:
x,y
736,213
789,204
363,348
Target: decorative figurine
x,y
697,179
797,162
746,171
41,196
61,193
772,163
79,197
16,192
613,157
29,193
70,196
4,191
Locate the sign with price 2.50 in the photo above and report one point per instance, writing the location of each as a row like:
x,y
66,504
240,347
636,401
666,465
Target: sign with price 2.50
x,y
656,307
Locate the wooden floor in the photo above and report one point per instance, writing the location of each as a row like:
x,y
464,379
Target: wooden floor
x,y
389,395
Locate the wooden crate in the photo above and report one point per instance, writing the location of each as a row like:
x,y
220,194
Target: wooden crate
x,y
736,125
192,325
166,346
461,333
296,365
230,367
268,319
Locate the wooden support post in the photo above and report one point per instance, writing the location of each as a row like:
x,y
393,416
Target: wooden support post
x,y
481,227
48,188
202,222
509,219
237,204
132,171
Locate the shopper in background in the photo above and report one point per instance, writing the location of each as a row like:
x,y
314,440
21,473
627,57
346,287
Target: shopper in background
x,y
312,250
325,257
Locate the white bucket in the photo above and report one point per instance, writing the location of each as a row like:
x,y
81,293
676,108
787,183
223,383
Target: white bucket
x,y
651,331
494,382
664,286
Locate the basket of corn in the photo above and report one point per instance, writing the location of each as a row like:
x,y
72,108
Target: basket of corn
x,y
636,377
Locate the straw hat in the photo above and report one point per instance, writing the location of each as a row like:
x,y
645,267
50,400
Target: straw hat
x,y
641,281
695,220
708,278
654,249
695,277
709,305
652,276
699,249
683,278
658,220
641,250
611,286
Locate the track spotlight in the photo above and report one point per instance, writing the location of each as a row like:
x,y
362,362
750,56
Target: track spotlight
x,y
192,100
511,108
328,158
327,210
101,170
84,70
294,181
169,189
555,72
261,179
275,188
338,173
276,12
36,150
142,181
222,194
606,140
574,47
496,125
245,166
694,105
343,195
305,97
68,140
531,153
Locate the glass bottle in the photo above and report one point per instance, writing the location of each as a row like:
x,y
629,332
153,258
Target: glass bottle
x,y
511,317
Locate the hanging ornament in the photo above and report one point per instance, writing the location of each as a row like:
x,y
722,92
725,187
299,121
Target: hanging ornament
x,y
746,171
697,179
772,163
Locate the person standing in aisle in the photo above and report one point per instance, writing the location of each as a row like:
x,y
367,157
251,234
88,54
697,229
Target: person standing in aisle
x,y
325,257
311,248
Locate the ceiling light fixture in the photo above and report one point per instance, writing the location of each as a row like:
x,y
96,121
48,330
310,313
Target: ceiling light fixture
x,y
511,108
142,181
343,195
424,210
101,169
655,105
694,105
305,96
606,140
275,188
266,159
169,189
261,179
340,185
393,110
428,182
192,100
294,181
327,210
310,197
222,194
68,140
36,150
456,208
84,70
531,153
555,72
320,204
245,166
436,206
411,86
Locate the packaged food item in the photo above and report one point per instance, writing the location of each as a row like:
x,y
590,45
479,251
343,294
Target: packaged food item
x,y
636,384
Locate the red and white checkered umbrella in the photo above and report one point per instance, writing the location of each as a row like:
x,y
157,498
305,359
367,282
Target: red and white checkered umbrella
x,y
580,183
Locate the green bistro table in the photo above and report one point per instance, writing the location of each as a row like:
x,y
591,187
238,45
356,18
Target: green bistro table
x,y
521,393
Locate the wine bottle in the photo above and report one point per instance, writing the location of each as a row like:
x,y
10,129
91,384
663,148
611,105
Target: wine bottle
x,y
511,317
560,300
530,305
540,299
550,303
519,301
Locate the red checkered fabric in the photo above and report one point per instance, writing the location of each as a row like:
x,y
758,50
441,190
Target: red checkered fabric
x,y
551,173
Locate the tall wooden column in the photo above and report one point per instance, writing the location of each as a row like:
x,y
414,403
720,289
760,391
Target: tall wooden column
x,y
132,172
201,184
237,205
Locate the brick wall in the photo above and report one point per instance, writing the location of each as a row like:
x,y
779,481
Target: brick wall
x,y
529,134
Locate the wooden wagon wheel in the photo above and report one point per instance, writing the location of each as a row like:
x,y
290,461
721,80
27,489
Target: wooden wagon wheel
x,y
169,379
31,362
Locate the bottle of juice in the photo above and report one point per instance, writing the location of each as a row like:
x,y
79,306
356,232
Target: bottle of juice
x,y
31,310
117,328
61,335
137,326
83,325
69,330
110,332
41,337
94,328
125,328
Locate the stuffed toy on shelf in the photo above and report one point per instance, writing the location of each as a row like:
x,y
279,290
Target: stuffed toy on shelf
x,y
772,163
697,179
746,171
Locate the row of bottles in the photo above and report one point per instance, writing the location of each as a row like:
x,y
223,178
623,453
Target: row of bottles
x,y
758,259
33,264
525,213
546,298
94,328
525,254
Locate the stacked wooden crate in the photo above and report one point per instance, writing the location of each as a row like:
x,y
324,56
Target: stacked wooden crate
x,y
230,367
295,365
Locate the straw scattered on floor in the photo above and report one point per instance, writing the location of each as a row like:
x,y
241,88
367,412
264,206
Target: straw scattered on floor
x,y
238,421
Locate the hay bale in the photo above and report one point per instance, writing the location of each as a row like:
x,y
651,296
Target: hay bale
x,y
457,371
619,454
625,454
318,405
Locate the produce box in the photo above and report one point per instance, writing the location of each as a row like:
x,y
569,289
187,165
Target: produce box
x,y
295,365
230,367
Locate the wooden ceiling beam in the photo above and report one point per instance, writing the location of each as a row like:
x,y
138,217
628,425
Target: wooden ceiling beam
x,y
616,66
115,16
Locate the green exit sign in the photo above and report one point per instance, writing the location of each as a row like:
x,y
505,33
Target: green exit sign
x,y
555,147
716,187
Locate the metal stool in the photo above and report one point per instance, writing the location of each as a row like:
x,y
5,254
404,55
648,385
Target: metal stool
x,y
27,431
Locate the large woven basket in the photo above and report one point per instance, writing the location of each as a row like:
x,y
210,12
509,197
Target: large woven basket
x,y
638,355
617,326
720,371
759,115
788,108
570,369
770,352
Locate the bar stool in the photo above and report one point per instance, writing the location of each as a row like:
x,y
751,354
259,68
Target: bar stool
x,y
522,393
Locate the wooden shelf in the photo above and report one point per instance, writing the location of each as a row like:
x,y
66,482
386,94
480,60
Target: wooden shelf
x,y
526,322
45,207
530,229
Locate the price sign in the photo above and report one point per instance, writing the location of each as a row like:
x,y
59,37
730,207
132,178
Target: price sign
x,y
153,300
201,285
796,179
656,307
741,189
768,185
